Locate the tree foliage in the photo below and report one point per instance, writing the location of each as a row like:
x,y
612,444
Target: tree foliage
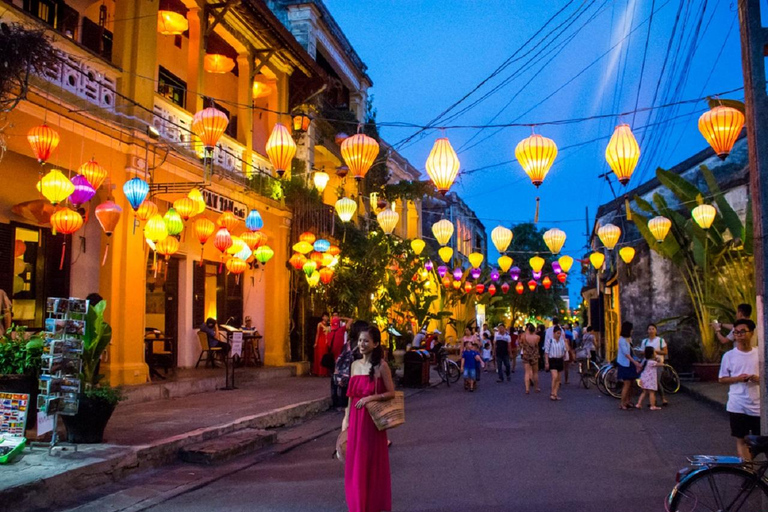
x,y
23,52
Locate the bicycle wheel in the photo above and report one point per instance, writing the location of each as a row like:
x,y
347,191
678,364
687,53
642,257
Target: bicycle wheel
x,y
441,371
611,382
670,380
454,372
721,488
601,380
594,369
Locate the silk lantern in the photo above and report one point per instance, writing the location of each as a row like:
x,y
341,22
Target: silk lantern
x,y
519,288
155,229
532,285
359,151
264,254
66,222
622,153
173,222
597,259
204,229
218,64
260,90
546,282
417,245
492,290
479,288
170,23
135,190
321,245
222,241
458,273
302,247
326,275
329,261
83,192
281,148
146,210
565,262
442,165
443,230
197,197
185,207
446,253
609,235
44,140
721,127
475,259
514,273
93,172
346,208
55,187
229,221
388,220
236,266
168,246
253,221
245,254
537,275
237,245
627,254
334,250
320,180
504,288
504,262
428,266
495,275
537,263
475,273
442,270
108,215
536,155
467,286
704,215
556,267
308,237
562,276
313,279
317,258
297,261
659,227
554,238
501,238
209,125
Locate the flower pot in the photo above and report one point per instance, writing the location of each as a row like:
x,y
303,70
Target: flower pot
x,y
88,425
26,384
707,372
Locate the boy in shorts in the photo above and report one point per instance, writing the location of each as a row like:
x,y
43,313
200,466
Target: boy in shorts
x,y
470,363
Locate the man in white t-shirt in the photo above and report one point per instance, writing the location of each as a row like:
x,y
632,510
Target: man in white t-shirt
x,y
661,349
743,311
740,368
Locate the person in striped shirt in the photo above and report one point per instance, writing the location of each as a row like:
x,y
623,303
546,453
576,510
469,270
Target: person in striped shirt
x,y
554,355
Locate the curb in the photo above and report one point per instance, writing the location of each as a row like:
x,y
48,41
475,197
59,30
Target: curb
x,y
701,397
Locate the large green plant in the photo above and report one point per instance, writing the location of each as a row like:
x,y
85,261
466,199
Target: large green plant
x,y
20,356
716,264
98,334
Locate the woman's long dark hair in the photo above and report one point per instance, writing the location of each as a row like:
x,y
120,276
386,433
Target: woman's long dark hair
x,y
354,334
378,353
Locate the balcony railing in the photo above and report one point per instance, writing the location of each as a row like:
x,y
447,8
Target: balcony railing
x,y
320,220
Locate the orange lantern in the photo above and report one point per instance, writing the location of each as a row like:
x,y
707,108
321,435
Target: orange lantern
x,y
359,152
93,172
281,149
204,228
317,257
108,215
146,210
622,153
467,286
236,265
519,288
442,165
260,90
171,23
532,285
536,155
721,127
297,261
209,125
168,246
326,274
333,250
546,282
44,141
66,222
308,237
253,239
228,220
185,207
218,64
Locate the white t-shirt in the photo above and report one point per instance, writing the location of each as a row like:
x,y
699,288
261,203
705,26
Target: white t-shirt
x,y
743,397
657,343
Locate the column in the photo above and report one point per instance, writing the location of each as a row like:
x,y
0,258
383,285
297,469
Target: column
x,y
194,100
276,313
244,99
135,51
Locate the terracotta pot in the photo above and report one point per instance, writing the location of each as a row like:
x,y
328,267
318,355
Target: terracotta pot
x,y
706,372
25,384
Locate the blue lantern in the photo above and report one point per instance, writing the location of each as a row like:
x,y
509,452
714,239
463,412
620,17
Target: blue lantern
x,y
136,191
322,245
254,222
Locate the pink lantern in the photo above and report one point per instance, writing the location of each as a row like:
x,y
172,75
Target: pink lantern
x,y
84,191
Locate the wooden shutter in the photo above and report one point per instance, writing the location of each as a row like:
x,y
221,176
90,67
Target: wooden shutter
x,y
6,258
198,296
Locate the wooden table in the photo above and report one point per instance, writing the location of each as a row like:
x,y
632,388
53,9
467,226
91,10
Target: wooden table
x,y
252,348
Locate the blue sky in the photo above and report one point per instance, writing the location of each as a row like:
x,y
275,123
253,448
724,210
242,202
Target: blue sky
x,y
425,55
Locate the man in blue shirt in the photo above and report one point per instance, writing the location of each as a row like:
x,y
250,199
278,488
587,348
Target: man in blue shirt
x,y
215,338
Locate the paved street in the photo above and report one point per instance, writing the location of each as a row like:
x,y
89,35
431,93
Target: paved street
x,y
496,449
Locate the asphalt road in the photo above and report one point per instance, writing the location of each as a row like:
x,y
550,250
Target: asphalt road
x,y
492,450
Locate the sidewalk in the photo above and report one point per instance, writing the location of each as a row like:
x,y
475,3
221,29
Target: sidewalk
x,y
712,393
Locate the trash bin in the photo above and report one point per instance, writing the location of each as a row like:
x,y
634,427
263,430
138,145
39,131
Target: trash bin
x,y
416,369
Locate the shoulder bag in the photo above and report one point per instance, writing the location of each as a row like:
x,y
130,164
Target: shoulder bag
x,y
387,414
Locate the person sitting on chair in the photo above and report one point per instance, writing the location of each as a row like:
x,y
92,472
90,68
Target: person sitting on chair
x,y
215,338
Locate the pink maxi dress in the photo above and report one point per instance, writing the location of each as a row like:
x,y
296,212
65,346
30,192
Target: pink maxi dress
x,y
366,472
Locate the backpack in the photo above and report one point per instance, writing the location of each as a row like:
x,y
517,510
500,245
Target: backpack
x,y
343,367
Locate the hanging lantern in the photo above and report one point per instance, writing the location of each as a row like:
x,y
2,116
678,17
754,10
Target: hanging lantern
x,y
597,259
447,282
622,153
108,215
442,270
309,267
173,222
222,241
334,250
236,266
536,155
301,121
359,152
519,288
446,253
428,266
297,261
475,259
136,190
417,244
627,254
237,246
313,280
346,208
443,231
218,64
721,127
245,254
155,229
442,165
546,282
253,221
609,235
467,286
264,254
556,267
171,23
492,290
303,247
204,228
308,237
44,140
479,288
501,238
704,215
537,275
229,221
458,273
83,192
55,187
197,197
322,245
495,275
504,288
554,238
281,148
562,276
317,257
320,179
168,246
388,220
504,262
659,227
209,125
326,274
475,273
342,171
185,207
532,285
565,262
537,263
93,172
328,260
66,222
260,90
514,273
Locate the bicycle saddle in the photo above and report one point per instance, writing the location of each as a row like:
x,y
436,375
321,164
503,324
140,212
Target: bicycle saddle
x,y
757,444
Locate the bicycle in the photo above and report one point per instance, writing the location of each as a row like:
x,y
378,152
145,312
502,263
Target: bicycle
x,y
588,370
447,369
723,484
670,380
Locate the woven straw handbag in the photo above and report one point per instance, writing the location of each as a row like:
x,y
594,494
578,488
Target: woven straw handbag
x,y
388,414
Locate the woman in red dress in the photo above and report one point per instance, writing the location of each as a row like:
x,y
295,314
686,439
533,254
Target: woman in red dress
x,y
321,347
367,477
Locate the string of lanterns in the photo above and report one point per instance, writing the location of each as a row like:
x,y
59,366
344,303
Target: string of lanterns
x,y
316,257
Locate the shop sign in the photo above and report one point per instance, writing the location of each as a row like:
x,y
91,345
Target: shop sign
x,y
237,344
219,203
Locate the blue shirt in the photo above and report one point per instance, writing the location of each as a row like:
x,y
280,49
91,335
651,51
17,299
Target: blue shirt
x,y
625,352
469,359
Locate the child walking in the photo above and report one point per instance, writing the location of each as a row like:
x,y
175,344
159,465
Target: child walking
x,y
486,355
470,362
648,380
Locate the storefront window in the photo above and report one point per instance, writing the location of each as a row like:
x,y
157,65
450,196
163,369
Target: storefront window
x,y
162,299
217,295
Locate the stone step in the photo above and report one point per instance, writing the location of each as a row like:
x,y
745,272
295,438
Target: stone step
x,y
227,446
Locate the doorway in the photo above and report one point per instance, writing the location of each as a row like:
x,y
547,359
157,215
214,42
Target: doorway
x,y
162,299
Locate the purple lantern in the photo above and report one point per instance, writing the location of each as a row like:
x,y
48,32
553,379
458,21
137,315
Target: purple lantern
x,y
537,276
494,275
428,266
475,273
442,270
514,273
458,273
84,191
556,267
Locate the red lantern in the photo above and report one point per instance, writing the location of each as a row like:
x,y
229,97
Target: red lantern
x,y
480,288
447,282
326,274
108,215
44,141
222,241
297,261
519,288
504,288
547,282
492,290
317,257
307,237
467,286
532,285
229,221
66,222
562,276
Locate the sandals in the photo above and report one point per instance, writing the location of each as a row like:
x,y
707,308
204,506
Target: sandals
x,y
552,397
655,408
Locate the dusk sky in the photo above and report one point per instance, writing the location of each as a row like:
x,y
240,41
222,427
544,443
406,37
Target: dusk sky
x,y
425,55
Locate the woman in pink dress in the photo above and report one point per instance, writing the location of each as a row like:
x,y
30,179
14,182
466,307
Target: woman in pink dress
x,y
366,474
321,347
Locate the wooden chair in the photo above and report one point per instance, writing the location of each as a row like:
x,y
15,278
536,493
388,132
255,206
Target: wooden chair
x,y
209,350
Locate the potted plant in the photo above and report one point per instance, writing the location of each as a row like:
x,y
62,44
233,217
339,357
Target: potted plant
x,y
97,400
20,361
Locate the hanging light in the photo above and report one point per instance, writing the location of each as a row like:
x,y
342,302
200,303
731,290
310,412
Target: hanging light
x,y
504,288
237,245
417,244
458,273
622,153
334,250
501,238
108,215
317,258
467,286
245,254
328,260
302,247
514,273
475,273
264,254
443,231
562,276
479,288
597,259
217,63
173,222
55,187
609,235
519,288
446,253
197,197
359,152
136,190
222,241
532,285
204,229
565,262
66,222
171,23
321,180
536,155
537,276
168,246
442,165
147,209
428,266
301,121
326,275
185,207
209,125
546,282
308,237
322,245
442,270
721,127
659,227
83,192
504,262
342,171
228,220
236,266
554,238
297,261
281,148
475,259
627,254
155,229
492,290
93,172
253,221
704,215
388,220
44,141
313,280
537,263
346,208
556,267
495,275
260,90
254,239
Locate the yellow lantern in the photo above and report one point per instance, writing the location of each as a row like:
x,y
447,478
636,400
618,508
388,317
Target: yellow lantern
x,y
501,238
218,64
197,197
442,165
417,245
704,215
346,208
446,253
721,127
359,152
281,148
237,245
168,246
609,235
155,229
537,263
313,279
321,180
536,155
659,226
260,90
475,259
302,247
622,153
55,187
505,262
443,231
597,259
554,238
566,262
209,125
171,23
626,254
388,220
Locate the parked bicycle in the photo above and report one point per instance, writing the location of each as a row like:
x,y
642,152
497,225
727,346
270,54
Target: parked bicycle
x,y
447,369
607,381
588,370
723,484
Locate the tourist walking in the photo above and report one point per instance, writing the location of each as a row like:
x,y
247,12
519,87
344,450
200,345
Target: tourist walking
x,y
740,369
589,343
660,348
554,354
322,347
502,341
367,478
468,339
514,338
529,345
628,368
471,363
648,379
